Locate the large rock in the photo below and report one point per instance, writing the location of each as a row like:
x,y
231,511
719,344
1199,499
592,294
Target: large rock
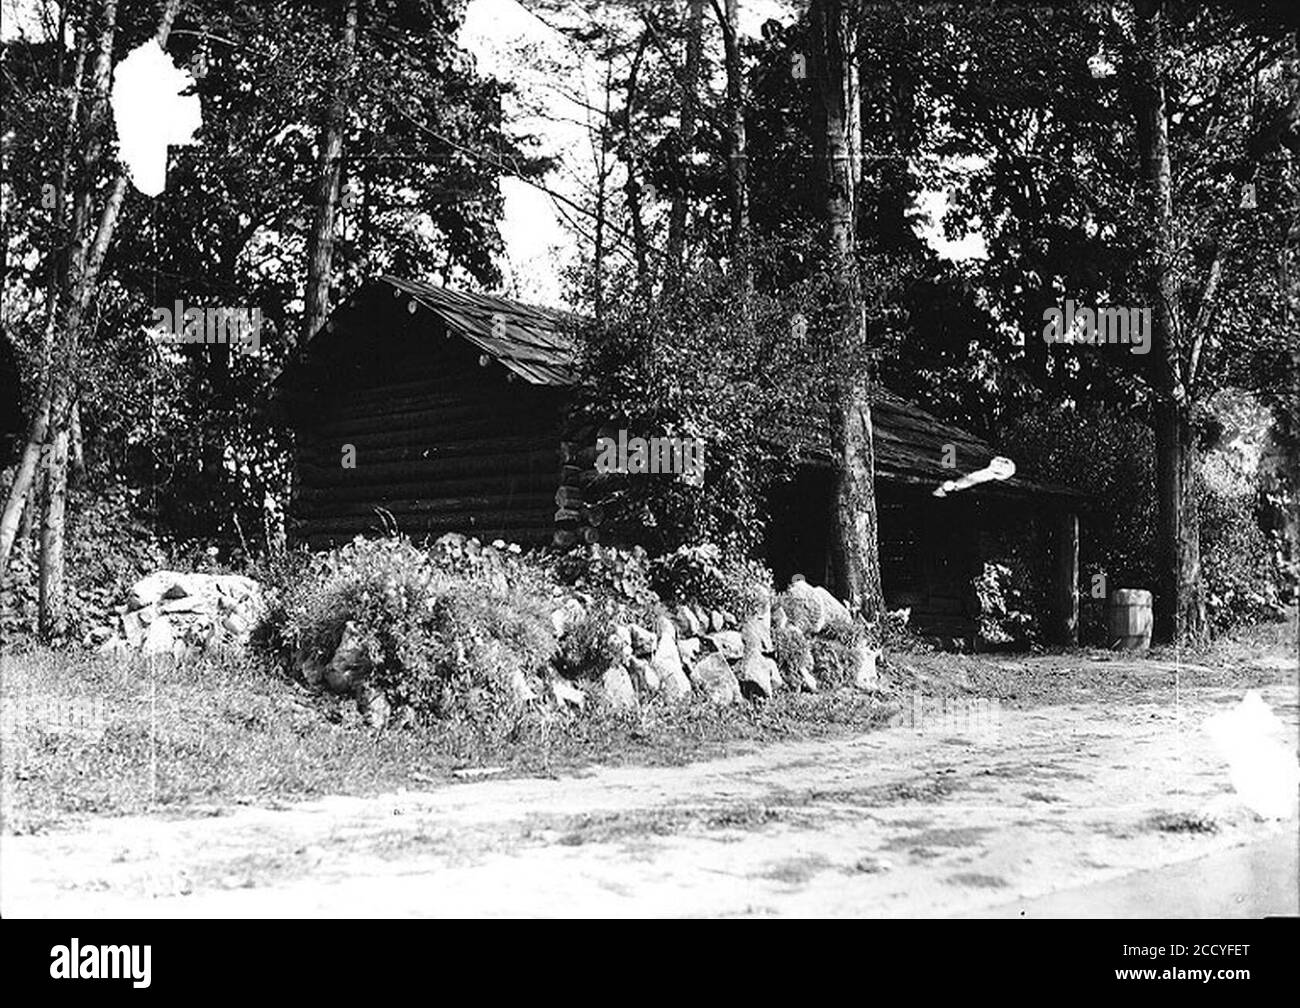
x,y
643,641
197,610
309,668
729,643
757,676
161,639
713,677
351,664
688,649
833,609
567,695
688,623
668,663
374,706
760,624
621,640
644,675
812,607
865,674
151,588
617,690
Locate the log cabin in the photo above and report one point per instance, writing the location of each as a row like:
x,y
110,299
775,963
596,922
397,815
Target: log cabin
x,y
425,410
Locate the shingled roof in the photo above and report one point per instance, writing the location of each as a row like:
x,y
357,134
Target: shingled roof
x,y
538,345
534,343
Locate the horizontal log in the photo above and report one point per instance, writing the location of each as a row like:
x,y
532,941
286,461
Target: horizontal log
x,y
463,395
568,497
331,454
482,485
483,427
504,415
326,507
466,384
425,470
429,523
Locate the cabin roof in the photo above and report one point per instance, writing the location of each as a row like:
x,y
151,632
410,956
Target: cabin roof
x,y
534,343
538,345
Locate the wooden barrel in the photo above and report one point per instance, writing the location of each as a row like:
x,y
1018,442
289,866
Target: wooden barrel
x,y
1128,619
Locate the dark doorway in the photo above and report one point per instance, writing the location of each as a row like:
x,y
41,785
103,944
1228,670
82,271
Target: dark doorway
x,y
798,531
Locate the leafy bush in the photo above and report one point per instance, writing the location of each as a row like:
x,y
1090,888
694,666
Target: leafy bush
x,y
1238,563
588,646
443,641
714,364
109,547
791,650
607,572
1001,620
703,575
835,650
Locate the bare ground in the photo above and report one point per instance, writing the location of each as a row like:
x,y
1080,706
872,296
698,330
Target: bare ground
x,y
969,805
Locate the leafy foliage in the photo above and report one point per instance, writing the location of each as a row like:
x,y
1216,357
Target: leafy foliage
x,y
703,575
443,641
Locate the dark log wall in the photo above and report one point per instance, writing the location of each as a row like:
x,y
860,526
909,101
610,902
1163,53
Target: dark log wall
x,y
443,444
929,555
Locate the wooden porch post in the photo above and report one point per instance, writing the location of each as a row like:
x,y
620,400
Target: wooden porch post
x,y
1065,581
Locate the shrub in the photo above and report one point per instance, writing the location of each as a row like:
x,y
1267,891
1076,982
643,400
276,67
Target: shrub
x,y
109,547
701,574
443,641
791,650
607,572
1001,621
1238,563
588,646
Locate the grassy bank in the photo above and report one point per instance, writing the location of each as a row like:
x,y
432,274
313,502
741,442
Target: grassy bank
x,y
88,736
82,735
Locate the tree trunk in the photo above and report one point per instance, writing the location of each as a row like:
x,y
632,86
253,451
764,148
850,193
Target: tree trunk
x,y
79,285
855,558
1179,602
76,447
329,161
685,145
632,187
737,155
53,610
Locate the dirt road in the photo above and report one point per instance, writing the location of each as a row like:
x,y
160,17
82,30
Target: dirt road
x,y
963,808
959,810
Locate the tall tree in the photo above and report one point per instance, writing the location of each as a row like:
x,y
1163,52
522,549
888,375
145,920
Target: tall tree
x,y
737,152
329,167
855,555
690,83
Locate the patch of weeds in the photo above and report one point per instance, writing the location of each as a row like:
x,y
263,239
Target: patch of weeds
x,y
797,871
976,880
639,823
1058,773
966,836
1182,822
